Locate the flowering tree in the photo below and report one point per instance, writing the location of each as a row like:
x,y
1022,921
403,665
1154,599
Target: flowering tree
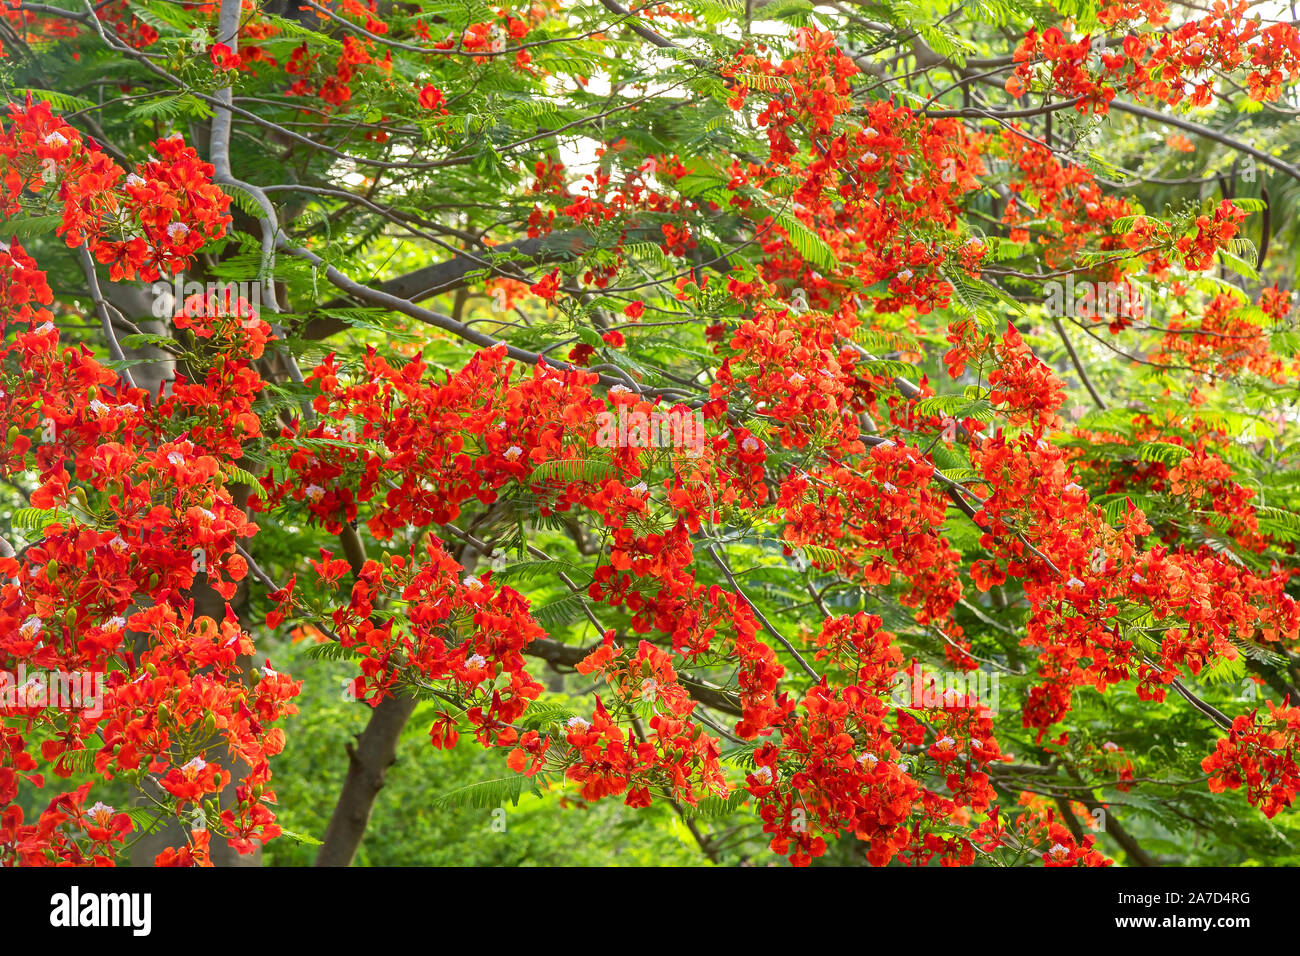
x,y
891,424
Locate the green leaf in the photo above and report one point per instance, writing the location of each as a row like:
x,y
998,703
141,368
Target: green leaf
x,y
1167,453
711,808
540,715
558,613
823,556
245,200
531,570
30,227
63,102
239,476
811,246
36,519
1250,204
137,340
592,470
891,368
487,794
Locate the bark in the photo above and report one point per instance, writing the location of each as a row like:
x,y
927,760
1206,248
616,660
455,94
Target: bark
x,y
1137,856
143,304
375,749
368,762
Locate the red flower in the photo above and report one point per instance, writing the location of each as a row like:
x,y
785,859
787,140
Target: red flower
x,y
223,58
548,286
431,98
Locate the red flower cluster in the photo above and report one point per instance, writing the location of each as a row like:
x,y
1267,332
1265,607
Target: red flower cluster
x,y
1161,64
1259,754
147,224
137,505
